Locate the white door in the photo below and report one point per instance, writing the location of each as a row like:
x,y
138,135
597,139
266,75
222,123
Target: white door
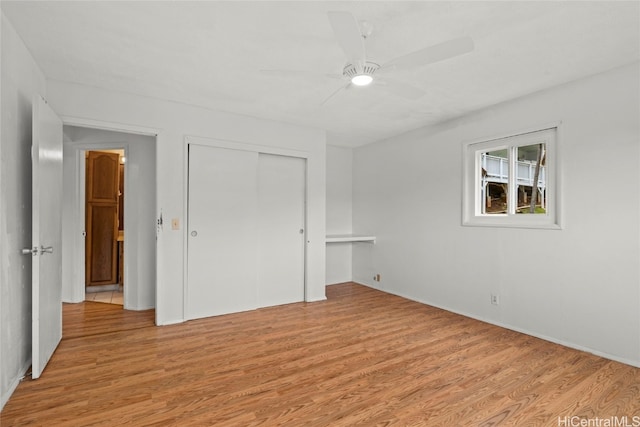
x,y
222,231
246,230
281,225
46,154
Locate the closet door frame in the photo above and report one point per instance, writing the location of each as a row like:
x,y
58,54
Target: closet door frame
x,y
243,146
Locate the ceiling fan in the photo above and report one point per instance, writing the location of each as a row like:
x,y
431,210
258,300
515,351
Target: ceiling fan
x,y
359,71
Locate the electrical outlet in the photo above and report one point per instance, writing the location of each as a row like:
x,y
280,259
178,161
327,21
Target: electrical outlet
x,y
495,299
377,277
175,224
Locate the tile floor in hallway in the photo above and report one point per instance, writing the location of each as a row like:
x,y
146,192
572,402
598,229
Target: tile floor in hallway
x,y
109,297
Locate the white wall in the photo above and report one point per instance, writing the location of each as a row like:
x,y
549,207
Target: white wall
x,y
580,285
172,122
339,213
20,81
139,215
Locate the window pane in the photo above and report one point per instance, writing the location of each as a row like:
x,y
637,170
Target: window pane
x,y
494,178
530,167
510,181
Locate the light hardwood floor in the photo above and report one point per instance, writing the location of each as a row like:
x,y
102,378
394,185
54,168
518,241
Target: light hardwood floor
x,y
362,357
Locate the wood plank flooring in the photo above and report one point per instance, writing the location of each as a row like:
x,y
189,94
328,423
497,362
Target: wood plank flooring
x,y
362,357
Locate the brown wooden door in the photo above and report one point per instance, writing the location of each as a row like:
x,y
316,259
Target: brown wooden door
x,y
102,218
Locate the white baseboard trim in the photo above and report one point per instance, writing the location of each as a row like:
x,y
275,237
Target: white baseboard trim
x,y
14,385
171,322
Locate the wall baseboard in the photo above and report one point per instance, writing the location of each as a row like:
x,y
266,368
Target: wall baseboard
x,y
14,385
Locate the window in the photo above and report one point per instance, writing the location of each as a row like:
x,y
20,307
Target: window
x,y
512,181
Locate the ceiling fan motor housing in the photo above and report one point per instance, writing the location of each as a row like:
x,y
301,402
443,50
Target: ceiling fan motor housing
x,y
350,70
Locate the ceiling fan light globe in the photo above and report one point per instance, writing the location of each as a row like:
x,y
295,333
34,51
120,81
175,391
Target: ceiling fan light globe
x,y
362,80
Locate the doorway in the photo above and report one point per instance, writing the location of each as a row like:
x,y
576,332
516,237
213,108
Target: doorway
x,y
129,255
104,226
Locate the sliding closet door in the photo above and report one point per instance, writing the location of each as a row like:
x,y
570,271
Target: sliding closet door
x,y
222,248
281,229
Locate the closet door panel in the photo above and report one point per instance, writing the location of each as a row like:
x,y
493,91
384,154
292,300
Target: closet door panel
x,y
222,231
281,229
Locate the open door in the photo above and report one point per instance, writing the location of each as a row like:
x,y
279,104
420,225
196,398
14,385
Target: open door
x,y
46,250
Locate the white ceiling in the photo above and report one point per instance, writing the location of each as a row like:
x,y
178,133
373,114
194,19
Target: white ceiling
x,y
213,54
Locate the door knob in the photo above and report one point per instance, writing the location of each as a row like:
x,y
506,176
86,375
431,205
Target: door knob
x,y
30,251
47,250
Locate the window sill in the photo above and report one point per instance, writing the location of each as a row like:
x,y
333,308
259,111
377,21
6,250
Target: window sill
x,y
512,222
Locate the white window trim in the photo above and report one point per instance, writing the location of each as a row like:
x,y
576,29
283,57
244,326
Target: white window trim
x,y
471,203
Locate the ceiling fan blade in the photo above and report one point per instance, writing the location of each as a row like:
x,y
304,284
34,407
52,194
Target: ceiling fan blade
x,y
340,89
431,54
346,29
402,89
299,74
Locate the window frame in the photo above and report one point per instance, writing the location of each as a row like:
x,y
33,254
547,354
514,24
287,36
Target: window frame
x,y
472,204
